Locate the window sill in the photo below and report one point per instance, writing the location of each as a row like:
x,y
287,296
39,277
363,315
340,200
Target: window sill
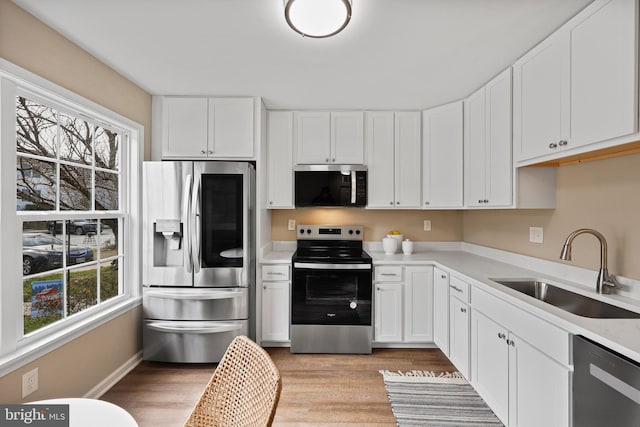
x,y
40,347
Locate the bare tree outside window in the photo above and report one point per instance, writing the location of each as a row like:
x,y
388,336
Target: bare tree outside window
x,y
66,164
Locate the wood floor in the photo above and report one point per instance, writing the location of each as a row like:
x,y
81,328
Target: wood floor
x,y
317,389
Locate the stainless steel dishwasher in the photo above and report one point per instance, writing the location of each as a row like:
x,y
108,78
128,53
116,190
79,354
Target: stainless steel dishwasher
x,y
606,386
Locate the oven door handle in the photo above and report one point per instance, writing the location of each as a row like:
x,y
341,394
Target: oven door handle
x,y
323,266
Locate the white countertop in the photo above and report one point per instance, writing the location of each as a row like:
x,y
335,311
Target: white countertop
x,y
621,335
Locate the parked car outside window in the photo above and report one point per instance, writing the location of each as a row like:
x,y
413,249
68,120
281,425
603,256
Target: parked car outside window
x,y
41,252
75,226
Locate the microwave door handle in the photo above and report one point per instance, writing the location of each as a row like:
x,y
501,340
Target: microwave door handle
x,y
195,224
186,214
353,187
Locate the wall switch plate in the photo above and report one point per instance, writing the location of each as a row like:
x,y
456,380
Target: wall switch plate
x,y
427,225
291,225
29,382
536,234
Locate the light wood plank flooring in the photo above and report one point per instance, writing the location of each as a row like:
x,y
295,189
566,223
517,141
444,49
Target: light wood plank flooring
x,y
318,389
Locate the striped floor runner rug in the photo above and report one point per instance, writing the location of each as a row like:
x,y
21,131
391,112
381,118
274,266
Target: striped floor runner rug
x,y
422,398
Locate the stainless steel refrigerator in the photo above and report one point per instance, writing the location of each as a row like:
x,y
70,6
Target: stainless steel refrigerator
x,y
198,258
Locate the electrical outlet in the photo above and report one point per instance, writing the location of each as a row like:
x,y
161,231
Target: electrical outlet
x,y
291,225
536,234
427,225
29,382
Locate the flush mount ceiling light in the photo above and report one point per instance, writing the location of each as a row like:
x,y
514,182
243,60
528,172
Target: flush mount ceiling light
x,y
317,18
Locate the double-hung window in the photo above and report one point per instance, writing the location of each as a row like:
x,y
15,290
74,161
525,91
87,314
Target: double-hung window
x,y
75,202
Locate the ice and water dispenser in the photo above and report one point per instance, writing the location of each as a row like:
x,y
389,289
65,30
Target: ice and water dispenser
x,y
168,244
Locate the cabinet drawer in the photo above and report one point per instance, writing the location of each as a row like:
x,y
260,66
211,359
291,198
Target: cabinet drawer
x,y
275,272
542,335
386,273
459,289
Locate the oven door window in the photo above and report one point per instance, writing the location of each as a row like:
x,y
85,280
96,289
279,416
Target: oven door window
x,y
331,297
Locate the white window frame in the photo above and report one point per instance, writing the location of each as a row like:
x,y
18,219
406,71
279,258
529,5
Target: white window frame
x,y
15,349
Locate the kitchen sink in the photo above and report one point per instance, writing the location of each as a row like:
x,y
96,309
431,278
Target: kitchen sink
x,y
567,300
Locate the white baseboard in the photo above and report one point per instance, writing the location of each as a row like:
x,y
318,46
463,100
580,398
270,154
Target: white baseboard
x,y
103,386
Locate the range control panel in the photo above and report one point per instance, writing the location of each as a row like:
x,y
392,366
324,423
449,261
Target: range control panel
x,y
330,232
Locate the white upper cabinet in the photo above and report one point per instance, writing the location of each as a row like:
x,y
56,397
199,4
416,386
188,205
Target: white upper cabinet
x,y
329,137
541,99
215,128
280,159
579,86
604,50
442,158
231,127
184,127
487,159
393,159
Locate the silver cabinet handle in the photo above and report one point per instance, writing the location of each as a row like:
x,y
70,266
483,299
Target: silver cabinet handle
x,y
326,160
391,203
501,335
275,273
333,160
203,151
485,201
553,145
388,274
210,151
443,276
511,343
397,203
455,288
462,309
426,203
563,143
480,201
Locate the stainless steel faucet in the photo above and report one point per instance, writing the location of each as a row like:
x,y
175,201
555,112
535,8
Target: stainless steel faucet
x,y
605,282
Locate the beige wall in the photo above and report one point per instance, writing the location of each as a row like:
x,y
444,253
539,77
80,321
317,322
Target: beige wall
x,y
27,42
446,226
603,194
77,367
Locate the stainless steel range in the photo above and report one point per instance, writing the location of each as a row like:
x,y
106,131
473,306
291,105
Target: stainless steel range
x,y
331,302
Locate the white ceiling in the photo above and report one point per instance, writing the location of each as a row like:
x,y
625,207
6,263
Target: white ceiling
x,y
395,54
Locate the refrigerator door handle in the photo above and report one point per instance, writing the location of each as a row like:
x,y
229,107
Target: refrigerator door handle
x,y
186,213
196,296
196,328
195,223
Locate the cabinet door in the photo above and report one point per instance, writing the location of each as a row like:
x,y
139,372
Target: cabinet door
x,y
541,98
408,160
441,309
459,335
388,312
380,159
603,72
280,159
474,149
418,324
490,363
538,387
275,311
231,127
184,127
347,138
498,141
442,176
313,137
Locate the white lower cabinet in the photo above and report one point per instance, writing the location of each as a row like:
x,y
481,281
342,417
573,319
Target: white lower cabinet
x,y
459,335
441,309
523,385
276,296
403,308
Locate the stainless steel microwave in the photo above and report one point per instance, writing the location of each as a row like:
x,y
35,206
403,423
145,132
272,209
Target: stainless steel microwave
x,y
330,185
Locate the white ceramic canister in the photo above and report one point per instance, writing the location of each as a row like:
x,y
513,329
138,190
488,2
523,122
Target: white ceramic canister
x,y
389,245
407,247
